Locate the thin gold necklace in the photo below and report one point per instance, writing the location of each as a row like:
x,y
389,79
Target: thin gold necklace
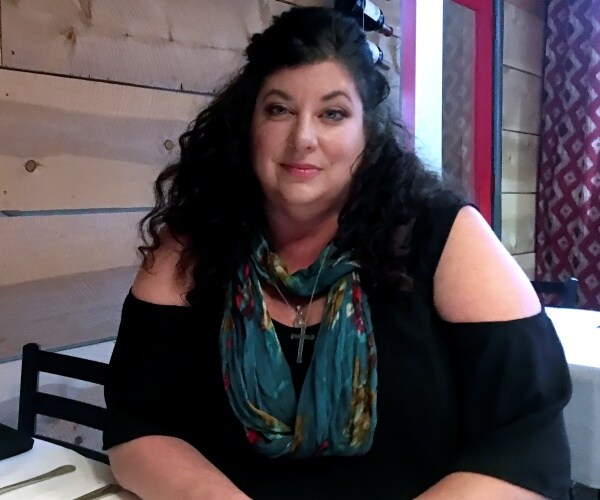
x,y
301,319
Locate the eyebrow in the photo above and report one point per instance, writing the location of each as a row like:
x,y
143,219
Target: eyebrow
x,y
326,97
279,93
334,94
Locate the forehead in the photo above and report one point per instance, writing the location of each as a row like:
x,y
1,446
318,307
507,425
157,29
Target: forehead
x,y
309,80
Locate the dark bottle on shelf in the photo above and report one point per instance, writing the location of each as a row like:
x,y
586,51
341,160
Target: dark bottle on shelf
x,y
368,15
375,52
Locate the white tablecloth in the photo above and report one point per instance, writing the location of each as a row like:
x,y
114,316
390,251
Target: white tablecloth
x,y
44,457
579,334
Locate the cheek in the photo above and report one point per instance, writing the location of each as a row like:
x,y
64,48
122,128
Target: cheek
x,y
257,148
348,146
263,145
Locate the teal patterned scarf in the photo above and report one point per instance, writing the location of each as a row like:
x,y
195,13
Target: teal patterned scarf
x,y
335,413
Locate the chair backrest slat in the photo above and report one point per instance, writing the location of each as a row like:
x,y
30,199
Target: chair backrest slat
x,y
70,366
566,290
78,412
32,402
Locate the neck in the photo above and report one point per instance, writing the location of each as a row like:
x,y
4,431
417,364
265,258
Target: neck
x,y
298,241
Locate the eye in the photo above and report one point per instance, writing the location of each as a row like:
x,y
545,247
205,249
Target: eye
x,y
335,114
276,110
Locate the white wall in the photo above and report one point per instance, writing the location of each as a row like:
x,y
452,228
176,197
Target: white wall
x,y
428,82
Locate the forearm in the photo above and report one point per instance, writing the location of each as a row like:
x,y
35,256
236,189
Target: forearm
x,y
468,485
159,467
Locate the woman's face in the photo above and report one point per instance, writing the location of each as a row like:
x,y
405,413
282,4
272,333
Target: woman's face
x,y
307,136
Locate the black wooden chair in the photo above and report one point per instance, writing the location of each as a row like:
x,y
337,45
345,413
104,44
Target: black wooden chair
x,y
33,402
565,290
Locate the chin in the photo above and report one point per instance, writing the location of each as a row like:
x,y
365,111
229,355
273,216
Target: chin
x,y
299,201
297,195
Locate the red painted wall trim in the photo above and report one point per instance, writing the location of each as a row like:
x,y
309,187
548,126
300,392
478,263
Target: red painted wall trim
x,y
482,103
408,70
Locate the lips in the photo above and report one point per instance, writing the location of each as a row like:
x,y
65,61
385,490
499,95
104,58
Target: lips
x,y
302,170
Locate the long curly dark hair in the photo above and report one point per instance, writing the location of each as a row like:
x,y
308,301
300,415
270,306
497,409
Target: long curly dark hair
x,y
211,202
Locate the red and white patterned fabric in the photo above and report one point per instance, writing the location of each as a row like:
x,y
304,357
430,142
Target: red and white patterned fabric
x,y
568,190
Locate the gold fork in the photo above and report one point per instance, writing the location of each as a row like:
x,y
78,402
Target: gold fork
x,y
108,489
59,471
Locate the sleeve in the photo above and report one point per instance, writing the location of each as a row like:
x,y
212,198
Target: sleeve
x,y
431,233
145,392
514,383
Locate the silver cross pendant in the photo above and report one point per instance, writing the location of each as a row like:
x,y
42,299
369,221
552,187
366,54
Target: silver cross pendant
x,y
300,322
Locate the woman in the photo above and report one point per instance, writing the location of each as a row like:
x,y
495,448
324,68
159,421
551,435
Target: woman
x,y
316,317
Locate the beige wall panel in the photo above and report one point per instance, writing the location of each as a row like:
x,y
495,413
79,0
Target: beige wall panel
x,y
38,247
523,40
62,311
521,101
518,222
535,7
97,144
187,44
519,162
392,11
527,263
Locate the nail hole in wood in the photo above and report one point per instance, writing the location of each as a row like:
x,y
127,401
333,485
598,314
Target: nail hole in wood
x,y
71,35
31,165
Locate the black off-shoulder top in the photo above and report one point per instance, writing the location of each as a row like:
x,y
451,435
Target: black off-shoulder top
x,y
478,397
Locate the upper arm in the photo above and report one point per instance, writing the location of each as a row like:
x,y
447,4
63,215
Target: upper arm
x,y
477,279
159,283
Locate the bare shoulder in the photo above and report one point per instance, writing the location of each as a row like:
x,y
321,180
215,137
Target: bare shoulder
x,y
477,279
159,283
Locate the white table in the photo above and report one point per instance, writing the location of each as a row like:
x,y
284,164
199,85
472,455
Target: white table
x,y
45,456
579,334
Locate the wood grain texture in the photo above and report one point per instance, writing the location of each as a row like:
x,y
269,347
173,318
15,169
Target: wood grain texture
x,y
527,263
64,310
39,247
519,162
523,50
521,101
523,39
177,44
98,145
518,222
392,10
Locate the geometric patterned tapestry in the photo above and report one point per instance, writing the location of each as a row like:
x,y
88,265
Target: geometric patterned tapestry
x,y
568,185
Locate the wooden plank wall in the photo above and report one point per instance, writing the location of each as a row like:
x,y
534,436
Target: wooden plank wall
x,y
522,88
93,97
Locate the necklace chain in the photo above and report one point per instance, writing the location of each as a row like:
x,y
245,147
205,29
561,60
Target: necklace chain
x,y
301,319
298,309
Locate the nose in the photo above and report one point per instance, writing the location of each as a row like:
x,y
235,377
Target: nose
x,y
303,136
